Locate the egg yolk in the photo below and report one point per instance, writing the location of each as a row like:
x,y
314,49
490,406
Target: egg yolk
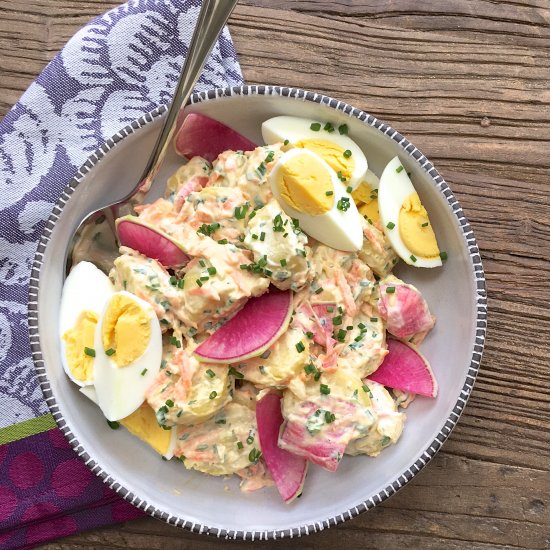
x,y
415,228
143,424
331,153
304,183
370,211
76,339
126,329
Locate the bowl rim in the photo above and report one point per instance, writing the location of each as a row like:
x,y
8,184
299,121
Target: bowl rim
x,y
448,425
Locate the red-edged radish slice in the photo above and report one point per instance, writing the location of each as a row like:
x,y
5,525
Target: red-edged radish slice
x,y
150,242
205,137
404,310
325,452
254,328
287,470
405,368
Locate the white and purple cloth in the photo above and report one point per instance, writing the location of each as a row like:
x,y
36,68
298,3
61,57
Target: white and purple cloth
x,y
118,67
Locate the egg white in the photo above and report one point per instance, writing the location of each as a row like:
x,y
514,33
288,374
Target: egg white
x,y
393,189
121,390
86,288
335,228
280,128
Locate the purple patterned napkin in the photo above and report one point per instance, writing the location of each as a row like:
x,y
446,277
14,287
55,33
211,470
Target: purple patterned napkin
x,y
118,67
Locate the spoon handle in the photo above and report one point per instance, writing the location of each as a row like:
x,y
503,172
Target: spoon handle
x,y
211,20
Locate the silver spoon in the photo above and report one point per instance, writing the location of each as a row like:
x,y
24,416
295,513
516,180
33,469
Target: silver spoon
x,y
95,237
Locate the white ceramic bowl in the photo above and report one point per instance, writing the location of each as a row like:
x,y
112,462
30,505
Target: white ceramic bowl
x,y
455,292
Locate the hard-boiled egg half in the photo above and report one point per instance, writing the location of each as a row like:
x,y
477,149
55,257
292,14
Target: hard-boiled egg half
x,y
85,293
326,140
308,189
405,220
128,353
143,424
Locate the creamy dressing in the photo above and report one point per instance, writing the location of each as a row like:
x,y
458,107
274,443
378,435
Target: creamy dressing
x,y
226,219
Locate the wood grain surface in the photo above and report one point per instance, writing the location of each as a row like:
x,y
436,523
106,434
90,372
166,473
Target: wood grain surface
x,y
468,81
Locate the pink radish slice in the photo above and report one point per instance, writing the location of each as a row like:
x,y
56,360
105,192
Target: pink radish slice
x,y
404,311
150,242
404,368
255,328
325,452
205,137
322,336
287,470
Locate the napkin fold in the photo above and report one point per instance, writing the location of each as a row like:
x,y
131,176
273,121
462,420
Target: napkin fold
x,y
118,67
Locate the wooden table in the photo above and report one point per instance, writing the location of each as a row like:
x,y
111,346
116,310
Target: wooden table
x,y
468,81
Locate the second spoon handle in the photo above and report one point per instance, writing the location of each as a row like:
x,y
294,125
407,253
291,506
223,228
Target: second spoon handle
x,y
211,20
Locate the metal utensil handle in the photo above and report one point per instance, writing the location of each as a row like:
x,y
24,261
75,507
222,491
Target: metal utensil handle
x,y
210,22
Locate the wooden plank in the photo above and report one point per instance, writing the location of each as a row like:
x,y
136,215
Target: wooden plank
x,y
468,82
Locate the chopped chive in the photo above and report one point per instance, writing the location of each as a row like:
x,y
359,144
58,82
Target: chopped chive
x,y
169,403
222,241
337,320
300,347
343,129
250,439
425,224
213,394
268,272
347,153
319,290
413,258
143,372
110,352
349,189
362,325
324,389
254,455
399,169
240,445
236,373
328,127
210,373
349,327
204,278
199,282
262,169
341,336
211,271
315,126
343,204
252,214
113,425
390,289
330,309
443,255
283,262
329,193
202,263
309,334
174,342
164,321
310,369
90,352
286,142
329,417
181,283
373,320
173,280
390,225
262,236
244,266
270,156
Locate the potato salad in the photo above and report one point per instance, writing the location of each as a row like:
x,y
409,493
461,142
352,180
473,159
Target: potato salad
x,y
251,323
